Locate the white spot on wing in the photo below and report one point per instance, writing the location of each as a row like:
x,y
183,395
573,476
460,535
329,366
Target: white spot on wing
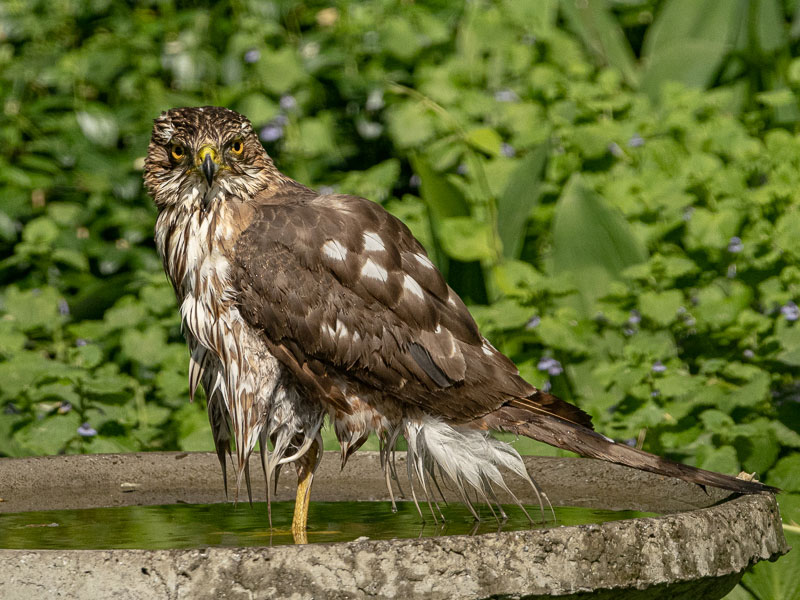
x,y
424,261
341,329
334,250
375,271
373,242
487,348
412,286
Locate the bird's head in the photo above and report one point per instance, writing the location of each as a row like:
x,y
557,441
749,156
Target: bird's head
x,y
199,155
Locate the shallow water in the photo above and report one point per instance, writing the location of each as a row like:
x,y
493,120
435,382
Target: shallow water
x,y
226,525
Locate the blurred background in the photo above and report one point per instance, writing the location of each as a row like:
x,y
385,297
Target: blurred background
x,y
613,186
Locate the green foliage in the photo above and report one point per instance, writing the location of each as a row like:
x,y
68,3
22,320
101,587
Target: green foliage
x,y
610,185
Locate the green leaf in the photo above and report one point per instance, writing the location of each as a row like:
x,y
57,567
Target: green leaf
x,y
12,340
502,315
410,125
591,240
602,35
661,307
485,139
108,387
757,446
33,309
194,432
466,239
771,27
281,70
720,303
146,347
519,198
786,473
40,232
49,435
516,278
443,199
687,43
789,338
258,108
779,580
721,460
72,258
787,231
691,62
126,313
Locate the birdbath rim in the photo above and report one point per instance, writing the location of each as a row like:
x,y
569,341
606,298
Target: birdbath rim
x,y
699,546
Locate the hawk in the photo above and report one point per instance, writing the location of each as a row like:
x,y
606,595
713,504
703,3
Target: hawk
x,y
298,305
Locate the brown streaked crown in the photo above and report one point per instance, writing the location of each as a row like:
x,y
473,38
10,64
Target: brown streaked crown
x,y
190,128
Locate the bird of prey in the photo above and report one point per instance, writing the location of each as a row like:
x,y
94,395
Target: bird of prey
x,y
298,305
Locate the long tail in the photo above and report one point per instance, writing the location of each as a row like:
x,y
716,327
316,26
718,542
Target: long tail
x,y
558,432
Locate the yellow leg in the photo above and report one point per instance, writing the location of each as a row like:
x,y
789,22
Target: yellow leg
x,y
305,478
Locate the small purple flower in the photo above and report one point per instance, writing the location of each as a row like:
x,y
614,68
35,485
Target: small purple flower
x,y
288,102
545,363
658,367
252,56
735,244
506,95
615,150
790,311
64,408
414,181
507,150
63,308
636,141
80,342
533,323
87,430
635,317
547,386
551,365
749,354
629,331
655,393
271,133
631,442
462,169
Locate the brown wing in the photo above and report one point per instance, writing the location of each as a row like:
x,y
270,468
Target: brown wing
x,y
342,289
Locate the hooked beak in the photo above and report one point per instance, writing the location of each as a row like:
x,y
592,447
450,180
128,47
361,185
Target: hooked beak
x,y
208,161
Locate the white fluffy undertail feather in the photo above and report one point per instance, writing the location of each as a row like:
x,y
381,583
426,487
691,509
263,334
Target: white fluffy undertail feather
x,y
468,459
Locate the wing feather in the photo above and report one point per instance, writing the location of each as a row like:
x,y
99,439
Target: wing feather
x,y
341,289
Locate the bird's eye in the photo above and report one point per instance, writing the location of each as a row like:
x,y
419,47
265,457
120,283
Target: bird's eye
x,y
178,152
237,147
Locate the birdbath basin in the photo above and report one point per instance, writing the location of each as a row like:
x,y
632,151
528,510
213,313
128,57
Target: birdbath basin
x,y
698,546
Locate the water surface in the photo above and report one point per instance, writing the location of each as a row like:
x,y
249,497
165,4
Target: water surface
x,y
226,525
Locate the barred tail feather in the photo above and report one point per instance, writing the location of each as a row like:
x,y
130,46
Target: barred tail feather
x,y
586,442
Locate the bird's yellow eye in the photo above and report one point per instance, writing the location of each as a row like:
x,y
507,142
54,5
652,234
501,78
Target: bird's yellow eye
x,y
178,152
237,147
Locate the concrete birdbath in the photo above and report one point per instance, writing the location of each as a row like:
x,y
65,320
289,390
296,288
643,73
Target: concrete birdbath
x,y
698,546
